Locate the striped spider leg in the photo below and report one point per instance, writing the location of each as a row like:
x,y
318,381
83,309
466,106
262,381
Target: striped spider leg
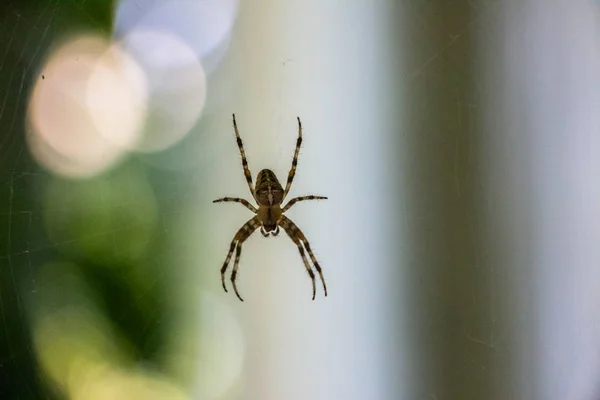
x,y
269,195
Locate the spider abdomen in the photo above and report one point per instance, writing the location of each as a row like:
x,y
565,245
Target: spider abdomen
x,y
268,189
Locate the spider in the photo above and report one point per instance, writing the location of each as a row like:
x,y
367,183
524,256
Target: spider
x,y
269,216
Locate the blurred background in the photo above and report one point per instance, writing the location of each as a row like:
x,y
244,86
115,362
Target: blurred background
x,y
458,144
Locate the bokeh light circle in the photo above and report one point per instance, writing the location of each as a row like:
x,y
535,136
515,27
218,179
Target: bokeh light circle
x,y
204,25
71,122
117,96
177,87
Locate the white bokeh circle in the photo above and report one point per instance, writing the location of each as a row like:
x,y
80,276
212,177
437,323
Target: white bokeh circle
x,y
177,87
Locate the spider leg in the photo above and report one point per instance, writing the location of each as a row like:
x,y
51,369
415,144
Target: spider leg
x,y
307,265
301,198
288,185
316,264
236,244
244,202
236,263
247,173
298,237
226,263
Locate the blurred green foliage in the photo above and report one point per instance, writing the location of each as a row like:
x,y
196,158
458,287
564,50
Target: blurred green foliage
x,y
94,245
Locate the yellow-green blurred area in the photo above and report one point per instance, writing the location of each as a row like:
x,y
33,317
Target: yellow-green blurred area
x,y
98,296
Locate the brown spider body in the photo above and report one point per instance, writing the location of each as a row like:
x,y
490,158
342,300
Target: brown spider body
x,y
269,195
268,190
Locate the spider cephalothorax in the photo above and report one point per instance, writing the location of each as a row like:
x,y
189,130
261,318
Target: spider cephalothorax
x,y
269,194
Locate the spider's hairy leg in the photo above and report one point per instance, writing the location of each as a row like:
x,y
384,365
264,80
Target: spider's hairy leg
x,y
236,244
298,237
301,198
244,202
247,173
238,252
316,264
288,185
306,264
226,263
